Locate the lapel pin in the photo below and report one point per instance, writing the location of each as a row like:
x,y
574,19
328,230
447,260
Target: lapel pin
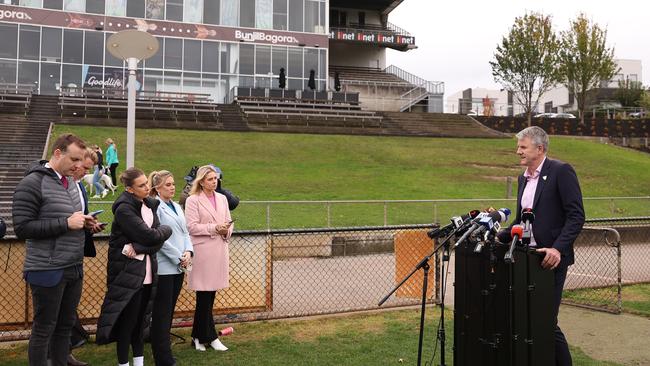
x,y
544,177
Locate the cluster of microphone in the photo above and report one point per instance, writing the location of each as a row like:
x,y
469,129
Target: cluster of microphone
x,y
478,228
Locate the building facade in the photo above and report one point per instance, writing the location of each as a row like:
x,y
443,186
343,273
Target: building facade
x,y
205,46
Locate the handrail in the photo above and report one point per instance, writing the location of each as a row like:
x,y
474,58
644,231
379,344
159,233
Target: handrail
x,y
433,87
397,29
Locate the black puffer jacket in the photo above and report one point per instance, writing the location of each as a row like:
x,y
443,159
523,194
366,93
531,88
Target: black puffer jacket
x,y
125,275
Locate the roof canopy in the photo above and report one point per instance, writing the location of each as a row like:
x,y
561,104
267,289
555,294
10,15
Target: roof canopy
x,y
383,6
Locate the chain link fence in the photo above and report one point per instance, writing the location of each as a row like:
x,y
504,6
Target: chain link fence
x,y
272,275
278,273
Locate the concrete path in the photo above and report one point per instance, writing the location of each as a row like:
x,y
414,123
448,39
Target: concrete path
x,y
623,338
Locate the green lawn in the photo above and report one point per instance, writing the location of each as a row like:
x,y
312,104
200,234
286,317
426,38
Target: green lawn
x,y
362,339
272,166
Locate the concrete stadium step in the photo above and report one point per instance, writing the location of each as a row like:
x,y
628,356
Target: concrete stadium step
x,y
440,125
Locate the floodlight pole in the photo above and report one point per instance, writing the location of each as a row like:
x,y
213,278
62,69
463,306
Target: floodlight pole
x,y
132,63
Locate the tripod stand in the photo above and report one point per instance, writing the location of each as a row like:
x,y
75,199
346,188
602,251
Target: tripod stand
x,y
424,265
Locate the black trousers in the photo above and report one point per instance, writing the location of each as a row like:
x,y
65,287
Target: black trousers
x,y
54,315
562,354
203,326
113,169
130,325
78,335
167,291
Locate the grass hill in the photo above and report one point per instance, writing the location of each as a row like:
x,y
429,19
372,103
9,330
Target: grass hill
x,y
271,166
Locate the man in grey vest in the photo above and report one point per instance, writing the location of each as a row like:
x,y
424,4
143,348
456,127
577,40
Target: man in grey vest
x,y
47,213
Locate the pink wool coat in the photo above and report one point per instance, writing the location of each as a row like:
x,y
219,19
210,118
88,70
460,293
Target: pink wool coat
x,y
211,259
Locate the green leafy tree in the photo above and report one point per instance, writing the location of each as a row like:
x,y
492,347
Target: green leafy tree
x,y
585,59
525,62
644,101
629,93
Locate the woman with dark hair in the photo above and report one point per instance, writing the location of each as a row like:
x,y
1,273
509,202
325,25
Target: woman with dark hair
x,y
99,171
136,236
210,227
174,258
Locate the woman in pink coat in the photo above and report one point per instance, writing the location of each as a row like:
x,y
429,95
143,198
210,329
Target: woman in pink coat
x,y
210,227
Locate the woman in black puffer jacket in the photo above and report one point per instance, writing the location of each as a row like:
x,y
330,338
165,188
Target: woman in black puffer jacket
x,y
136,236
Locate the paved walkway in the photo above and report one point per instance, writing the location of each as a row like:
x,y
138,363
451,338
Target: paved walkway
x,y
623,338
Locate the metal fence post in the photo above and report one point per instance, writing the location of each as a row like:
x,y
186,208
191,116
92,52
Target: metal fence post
x,y
268,217
385,213
329,214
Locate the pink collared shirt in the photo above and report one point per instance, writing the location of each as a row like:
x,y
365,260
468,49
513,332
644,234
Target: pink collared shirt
x,y
528,197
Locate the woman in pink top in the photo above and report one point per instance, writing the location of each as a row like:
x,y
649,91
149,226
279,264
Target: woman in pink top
x,y
210,227
131,270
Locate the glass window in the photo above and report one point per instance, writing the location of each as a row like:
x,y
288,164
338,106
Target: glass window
x,y
193,11
153,80
175,10
172,81
28,73
71,76
155,9
192,55
109,59
264,14
173,53
30,41
53,4
229,58
262,82
311,61
211,84
116,7
262,60
72,50
295,15
211,11
311,16
156,61
322,19
9,44
10,2
75,5
210,56
246,59
230,12
135,8
279,60
295,62
295,84
50,78
322,65
7,71
280,14
51,46
94,48
247,13
95,6
192,82
32,3
247,81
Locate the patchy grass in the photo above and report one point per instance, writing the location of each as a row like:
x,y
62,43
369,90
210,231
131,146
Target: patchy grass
x,y
635,298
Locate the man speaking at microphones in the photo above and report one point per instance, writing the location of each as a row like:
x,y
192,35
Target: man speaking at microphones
x,y
551,189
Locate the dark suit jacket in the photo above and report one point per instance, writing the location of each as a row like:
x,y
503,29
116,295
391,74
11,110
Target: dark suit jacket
x,y
559,214
89,243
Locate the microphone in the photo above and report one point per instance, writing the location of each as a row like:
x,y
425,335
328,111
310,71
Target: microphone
x,y
456,222
527,218
485,223
516,232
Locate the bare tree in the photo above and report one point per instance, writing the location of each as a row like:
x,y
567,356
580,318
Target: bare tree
x,y
525,62
585,59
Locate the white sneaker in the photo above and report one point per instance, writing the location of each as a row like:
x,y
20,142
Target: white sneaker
x,y
95,196
216,344
104,193
198,346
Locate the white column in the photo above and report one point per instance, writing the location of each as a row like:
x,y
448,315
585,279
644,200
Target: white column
x,y
130,117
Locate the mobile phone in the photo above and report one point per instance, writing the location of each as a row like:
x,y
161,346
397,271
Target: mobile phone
x,y
103,224
95,213
231,221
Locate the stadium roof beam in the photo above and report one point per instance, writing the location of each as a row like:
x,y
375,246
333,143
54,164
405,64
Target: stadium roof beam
x,y
383,6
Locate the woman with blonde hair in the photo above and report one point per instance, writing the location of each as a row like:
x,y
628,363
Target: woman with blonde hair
x,y
174,258
210,227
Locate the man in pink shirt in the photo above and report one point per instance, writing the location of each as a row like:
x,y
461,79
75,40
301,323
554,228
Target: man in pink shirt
x,y
551,189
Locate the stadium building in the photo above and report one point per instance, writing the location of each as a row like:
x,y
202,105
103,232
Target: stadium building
x,y
212,46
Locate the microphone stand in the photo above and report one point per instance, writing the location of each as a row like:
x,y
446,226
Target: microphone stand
x,y
424,265
525,240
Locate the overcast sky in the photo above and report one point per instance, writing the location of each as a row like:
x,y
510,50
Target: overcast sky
x,y
456,39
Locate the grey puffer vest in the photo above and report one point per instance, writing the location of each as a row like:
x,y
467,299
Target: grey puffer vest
x,y
41,207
